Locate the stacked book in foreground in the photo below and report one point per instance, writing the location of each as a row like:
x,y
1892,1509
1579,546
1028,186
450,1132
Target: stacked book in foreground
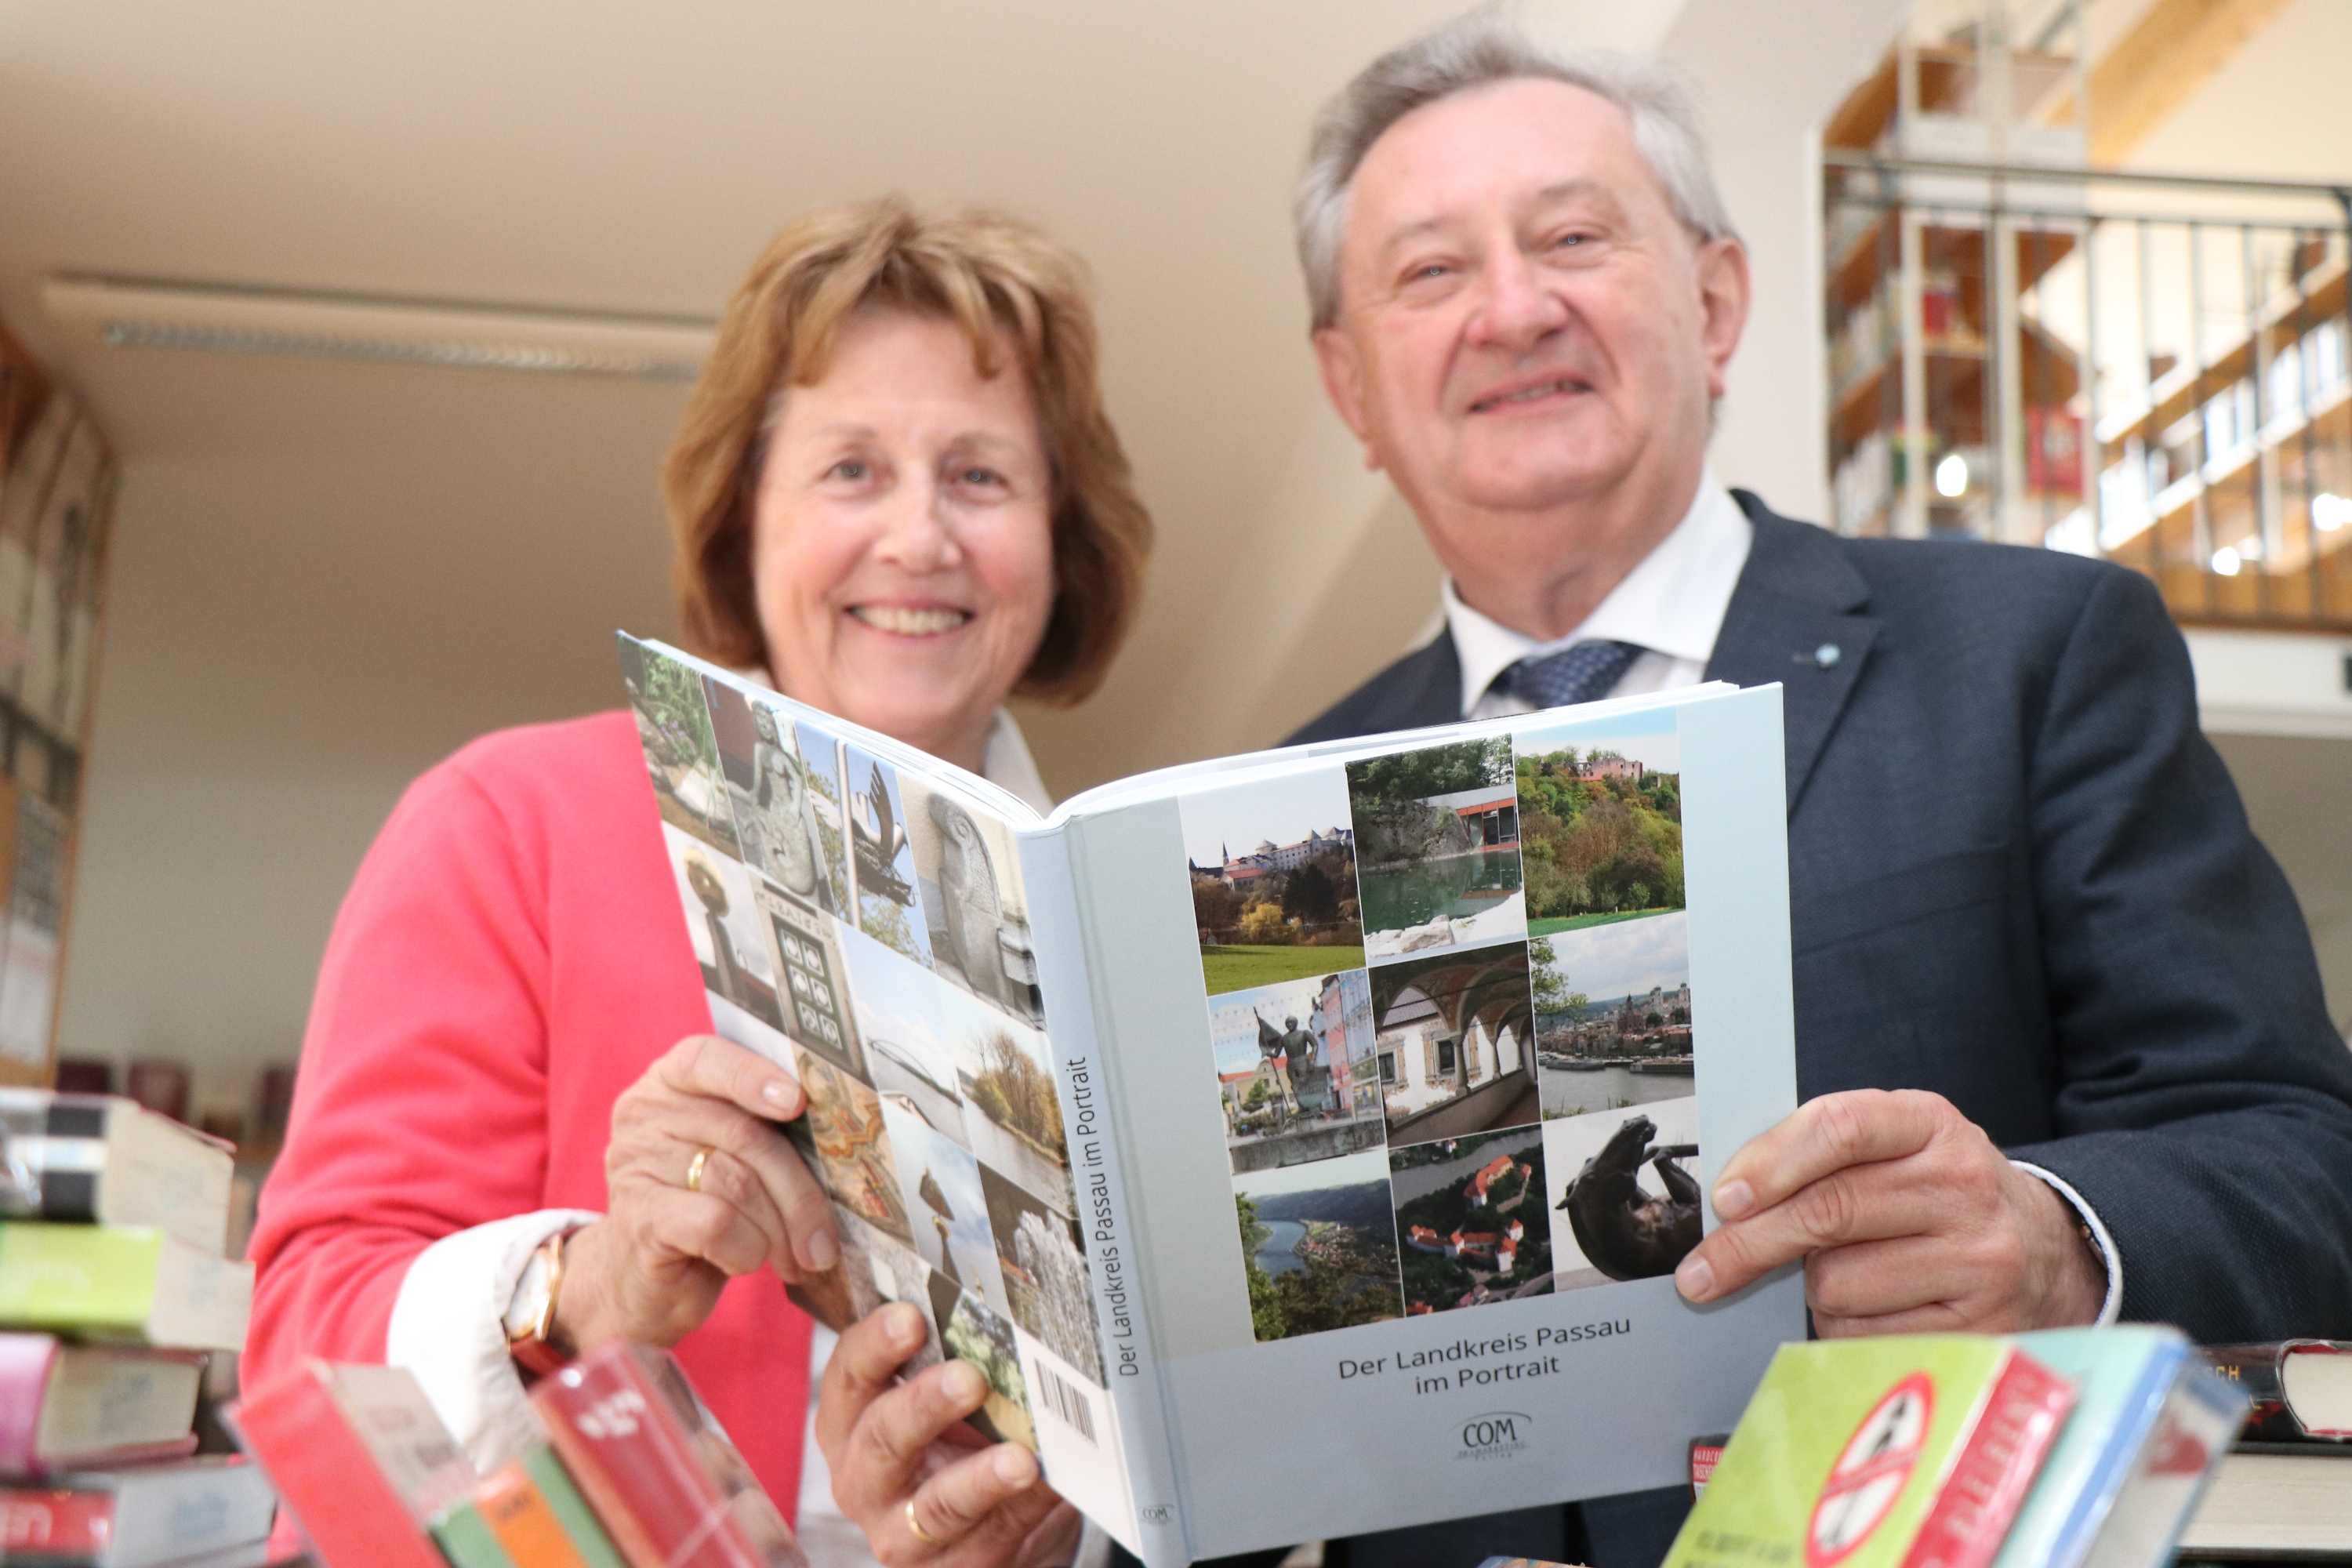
x,y
636,1474
2070,1448
2286,1489
113,1290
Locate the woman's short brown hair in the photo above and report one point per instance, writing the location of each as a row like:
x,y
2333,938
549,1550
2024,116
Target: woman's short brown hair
x,y
1004,283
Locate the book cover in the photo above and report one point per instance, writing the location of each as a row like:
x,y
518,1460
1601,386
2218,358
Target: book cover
x,y
138,1516
2299,1388
1905,1452
661,1475
2147,1416
64,1405
359,1457
108,1282
1375,1085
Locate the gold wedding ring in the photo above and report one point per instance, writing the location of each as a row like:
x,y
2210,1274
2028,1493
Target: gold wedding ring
x,y
694,1172
925,1536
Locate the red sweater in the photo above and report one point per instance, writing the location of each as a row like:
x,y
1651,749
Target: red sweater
x,y
510,959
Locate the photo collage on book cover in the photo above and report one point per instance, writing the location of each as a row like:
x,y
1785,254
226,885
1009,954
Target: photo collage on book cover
x,y
870,935
1448,1000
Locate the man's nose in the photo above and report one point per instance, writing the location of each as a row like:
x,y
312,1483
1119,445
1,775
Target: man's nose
x,y
1515,310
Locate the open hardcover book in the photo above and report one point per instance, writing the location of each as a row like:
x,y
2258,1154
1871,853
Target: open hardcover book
x,y
1300,1143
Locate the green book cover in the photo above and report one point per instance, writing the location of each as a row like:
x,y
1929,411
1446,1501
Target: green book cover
x,y
572,1509
121,1282
1842,1458
465,1538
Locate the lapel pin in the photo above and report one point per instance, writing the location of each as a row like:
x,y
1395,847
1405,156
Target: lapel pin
x,y
1826,655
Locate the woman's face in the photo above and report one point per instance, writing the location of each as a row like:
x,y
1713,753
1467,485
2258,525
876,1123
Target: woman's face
x,y
902,536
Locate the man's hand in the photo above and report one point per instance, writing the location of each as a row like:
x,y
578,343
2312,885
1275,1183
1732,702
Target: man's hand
x,y
1908,1219
922,1485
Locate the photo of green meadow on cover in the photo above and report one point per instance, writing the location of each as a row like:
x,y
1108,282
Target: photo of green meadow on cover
x,y
1437,847
1273,869
1601,821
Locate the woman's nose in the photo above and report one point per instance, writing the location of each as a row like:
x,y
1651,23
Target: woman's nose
x,y
918,535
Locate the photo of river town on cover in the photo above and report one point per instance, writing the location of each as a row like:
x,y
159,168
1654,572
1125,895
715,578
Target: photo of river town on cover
x,y
1318,1246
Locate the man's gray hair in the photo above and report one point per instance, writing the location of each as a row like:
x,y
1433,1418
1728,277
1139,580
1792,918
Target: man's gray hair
x,y
1473,51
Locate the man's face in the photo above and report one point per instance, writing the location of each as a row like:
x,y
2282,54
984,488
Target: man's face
x,y
1523,322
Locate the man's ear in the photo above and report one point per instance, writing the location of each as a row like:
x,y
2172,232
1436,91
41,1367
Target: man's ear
x,y
1722,267
1343,384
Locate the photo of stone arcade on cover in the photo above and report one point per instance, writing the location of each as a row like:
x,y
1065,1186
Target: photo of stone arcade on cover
x,y
870,935
1448,1002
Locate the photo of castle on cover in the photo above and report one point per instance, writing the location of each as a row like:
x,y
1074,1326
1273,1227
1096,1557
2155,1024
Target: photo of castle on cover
x,y
870,935
1273,873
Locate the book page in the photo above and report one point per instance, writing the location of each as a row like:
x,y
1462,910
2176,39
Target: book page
x,y
1423,1053
861,918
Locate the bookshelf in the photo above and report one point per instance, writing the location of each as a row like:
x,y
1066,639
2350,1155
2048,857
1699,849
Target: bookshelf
x,y
57,481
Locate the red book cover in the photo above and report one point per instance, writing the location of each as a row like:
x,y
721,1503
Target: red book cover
x,y
660,1471
358,1456
1995,1468
34,1521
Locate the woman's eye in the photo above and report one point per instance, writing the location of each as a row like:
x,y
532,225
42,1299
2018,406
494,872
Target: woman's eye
x,y
980,477
851,468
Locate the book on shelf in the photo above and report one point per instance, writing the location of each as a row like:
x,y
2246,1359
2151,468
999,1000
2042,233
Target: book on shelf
x,y
2150,1422
660,1472
1370,1088
133,1284
359,1457
106,1159
136,1516
2300,1388
526,1514
2276,1499
69,1405
1913,1451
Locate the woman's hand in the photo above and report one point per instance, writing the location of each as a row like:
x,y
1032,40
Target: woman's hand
x,y
673,1235
925,1487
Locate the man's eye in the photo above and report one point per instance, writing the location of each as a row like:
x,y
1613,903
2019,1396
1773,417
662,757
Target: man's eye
x,y
1565,240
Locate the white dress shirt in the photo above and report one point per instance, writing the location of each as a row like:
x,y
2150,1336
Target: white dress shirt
x,y
1672,606
448,1320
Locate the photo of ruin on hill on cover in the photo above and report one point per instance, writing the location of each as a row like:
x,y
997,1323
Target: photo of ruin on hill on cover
x,y
1437,847
1601,821
1471,1220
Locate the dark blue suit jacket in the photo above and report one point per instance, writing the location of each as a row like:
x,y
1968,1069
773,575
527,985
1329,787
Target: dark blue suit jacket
x,y
2020,876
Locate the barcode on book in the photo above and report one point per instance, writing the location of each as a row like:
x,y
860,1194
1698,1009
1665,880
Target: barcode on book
x,y
1071,1404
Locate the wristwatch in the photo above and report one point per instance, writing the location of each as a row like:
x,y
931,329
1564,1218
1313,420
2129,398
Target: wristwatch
x,y
530,1311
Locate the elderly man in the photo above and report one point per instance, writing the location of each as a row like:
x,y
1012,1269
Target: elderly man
x,y
2059,1029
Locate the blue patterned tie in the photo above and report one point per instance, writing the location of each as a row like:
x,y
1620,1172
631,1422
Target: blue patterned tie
x,y
1581,673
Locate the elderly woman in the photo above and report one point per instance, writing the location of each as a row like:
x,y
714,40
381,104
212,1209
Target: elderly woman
x,y
896,492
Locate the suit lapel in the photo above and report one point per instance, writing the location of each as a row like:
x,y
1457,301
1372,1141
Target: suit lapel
x,y
1797,599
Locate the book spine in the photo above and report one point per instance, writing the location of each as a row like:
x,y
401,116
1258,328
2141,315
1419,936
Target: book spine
x,y
323,1472
625,1449
525,1525
1989,1479
1147,1519
555,1484
26,1363
2259,1371
36,1523
467,1539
